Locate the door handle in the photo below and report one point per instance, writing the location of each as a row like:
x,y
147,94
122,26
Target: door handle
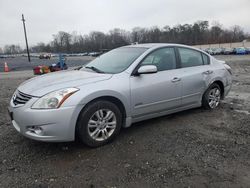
x,y
175,79
208,72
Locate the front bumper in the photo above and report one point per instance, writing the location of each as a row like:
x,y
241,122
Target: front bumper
x,y
50,125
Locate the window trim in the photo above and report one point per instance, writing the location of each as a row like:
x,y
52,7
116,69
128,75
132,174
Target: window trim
x,y
134,72
208,63
179,56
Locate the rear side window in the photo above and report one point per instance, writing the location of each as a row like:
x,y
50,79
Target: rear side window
x,y
205,59
190,58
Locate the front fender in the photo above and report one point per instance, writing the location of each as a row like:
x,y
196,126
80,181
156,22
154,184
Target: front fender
x,y
107,93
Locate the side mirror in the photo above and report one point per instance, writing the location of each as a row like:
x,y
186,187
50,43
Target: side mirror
x,y
147,69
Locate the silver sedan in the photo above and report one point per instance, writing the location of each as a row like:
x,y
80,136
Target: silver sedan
x,y
126,85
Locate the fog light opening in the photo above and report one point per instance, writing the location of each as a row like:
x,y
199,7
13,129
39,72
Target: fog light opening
x,y
36,130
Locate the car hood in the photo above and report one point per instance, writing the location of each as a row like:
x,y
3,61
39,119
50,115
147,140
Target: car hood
x,y
44,84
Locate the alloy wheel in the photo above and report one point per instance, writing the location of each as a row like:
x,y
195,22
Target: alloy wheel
x,y
214,97
102,124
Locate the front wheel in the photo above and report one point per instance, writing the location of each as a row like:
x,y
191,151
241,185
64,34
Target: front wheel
x,y
211,98
99,123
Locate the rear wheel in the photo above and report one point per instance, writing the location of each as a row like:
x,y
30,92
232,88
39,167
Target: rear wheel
x,y
211,98
99,123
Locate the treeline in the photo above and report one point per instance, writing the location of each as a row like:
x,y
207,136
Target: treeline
x,y
191,34
11,49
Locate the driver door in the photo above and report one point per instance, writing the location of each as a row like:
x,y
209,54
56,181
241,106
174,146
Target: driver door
x,y
156,92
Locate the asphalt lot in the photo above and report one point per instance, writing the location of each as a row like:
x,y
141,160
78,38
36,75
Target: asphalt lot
x,y
21,63
194,148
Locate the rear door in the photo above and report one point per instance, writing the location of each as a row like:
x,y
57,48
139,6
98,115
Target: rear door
x,y
195,71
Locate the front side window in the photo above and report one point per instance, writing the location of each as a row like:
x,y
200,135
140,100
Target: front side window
x,y
116,60
163,59
190,58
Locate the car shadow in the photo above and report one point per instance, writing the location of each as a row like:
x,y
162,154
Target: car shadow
x,y
184,113
77,146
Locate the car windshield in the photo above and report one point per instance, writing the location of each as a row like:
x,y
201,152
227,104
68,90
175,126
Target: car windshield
x,y
116,60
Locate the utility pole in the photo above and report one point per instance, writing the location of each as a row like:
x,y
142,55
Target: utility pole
x,y
26,40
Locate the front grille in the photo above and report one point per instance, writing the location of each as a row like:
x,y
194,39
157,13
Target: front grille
x,y
20,98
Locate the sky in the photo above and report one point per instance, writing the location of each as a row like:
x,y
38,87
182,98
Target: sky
x,y
46,17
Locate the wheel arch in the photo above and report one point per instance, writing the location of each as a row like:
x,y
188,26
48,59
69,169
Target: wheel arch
x,y
218,80
204,99
111,98
221,85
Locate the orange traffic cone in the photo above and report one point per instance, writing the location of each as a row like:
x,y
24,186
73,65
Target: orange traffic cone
x,y
6,68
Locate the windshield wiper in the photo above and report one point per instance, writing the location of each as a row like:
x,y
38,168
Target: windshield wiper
x,y
95,69
78,68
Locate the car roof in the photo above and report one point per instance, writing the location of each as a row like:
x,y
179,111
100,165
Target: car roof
x,y
155,45
159,45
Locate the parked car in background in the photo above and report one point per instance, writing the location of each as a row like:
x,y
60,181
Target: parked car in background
x,y
44,56
95,54
210,51
7,56
228,51
217,51
83,54
247,50
3,56
240,51
123,86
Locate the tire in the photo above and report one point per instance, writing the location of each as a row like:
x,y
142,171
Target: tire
x,y
99,123
211,98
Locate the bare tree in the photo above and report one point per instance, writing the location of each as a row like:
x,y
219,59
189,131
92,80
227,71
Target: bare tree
x,y
190,34
12,49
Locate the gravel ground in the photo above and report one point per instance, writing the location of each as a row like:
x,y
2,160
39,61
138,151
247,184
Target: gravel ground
x,y
194,148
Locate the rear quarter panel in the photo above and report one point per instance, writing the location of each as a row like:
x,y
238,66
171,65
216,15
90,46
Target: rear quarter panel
x,y
219,73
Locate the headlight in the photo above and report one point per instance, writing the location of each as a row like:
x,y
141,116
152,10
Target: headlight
x,y
54,99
